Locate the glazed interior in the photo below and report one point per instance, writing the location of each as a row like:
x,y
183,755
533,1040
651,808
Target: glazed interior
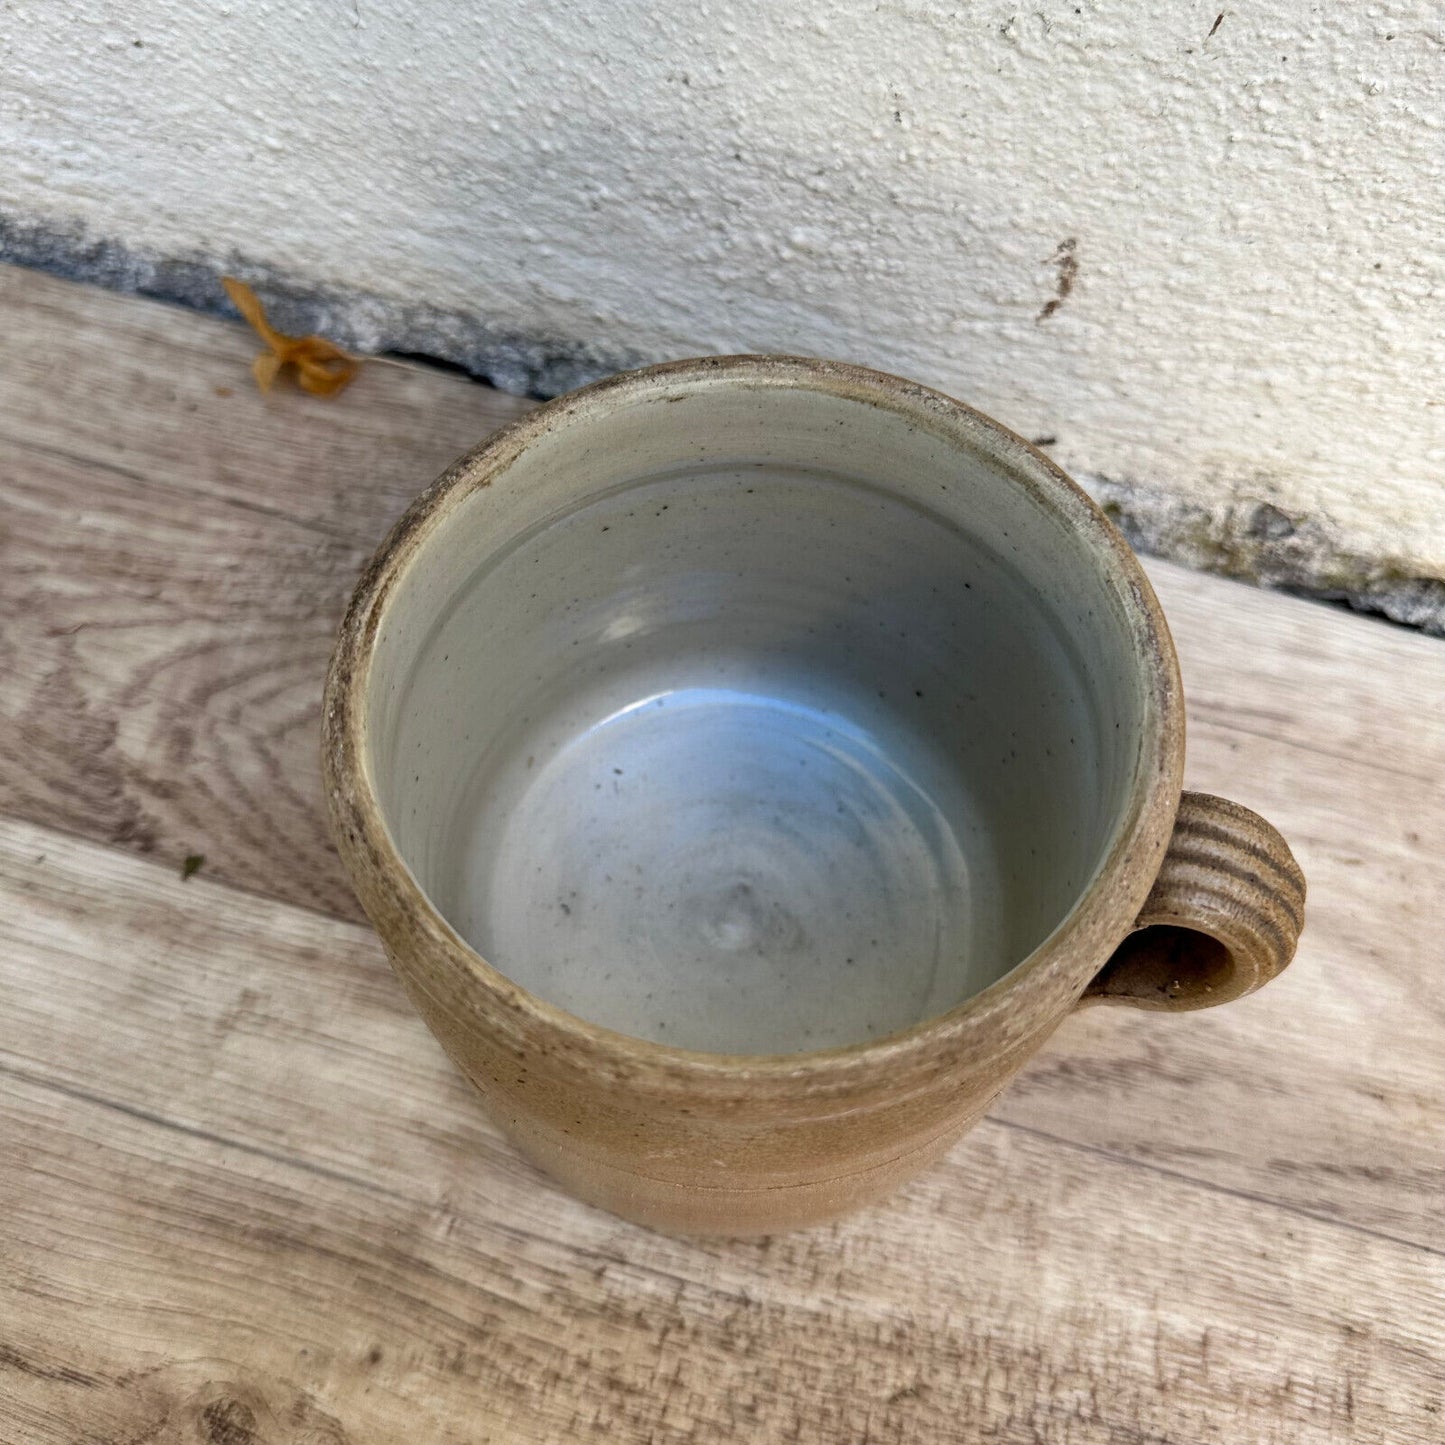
x,y
746,716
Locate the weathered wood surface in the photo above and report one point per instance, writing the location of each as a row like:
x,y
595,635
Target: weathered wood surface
x,y
245,1199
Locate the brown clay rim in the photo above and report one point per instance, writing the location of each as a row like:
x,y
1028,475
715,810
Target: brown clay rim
x,y
1051,977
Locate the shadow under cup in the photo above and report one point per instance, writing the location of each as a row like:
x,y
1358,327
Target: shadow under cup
x,y
754,718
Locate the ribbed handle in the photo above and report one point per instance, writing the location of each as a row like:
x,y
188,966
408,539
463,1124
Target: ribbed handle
x,y
1222,919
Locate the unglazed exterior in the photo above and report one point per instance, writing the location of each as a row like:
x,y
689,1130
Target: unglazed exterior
x,y
640,607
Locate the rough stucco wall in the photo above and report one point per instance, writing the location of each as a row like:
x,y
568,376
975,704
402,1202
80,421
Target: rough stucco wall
x,y
1205,257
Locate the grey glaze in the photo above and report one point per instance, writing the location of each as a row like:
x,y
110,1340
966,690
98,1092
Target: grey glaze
x,y
755,719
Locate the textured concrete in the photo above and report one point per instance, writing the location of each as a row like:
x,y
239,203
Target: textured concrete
x,y
1202,254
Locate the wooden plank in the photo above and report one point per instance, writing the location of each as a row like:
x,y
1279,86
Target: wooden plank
x,y
125,496
168,621
175,552
161,687
1322,678
254,1197
160,673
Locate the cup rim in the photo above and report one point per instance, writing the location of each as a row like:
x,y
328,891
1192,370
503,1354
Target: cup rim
x,y
1039,988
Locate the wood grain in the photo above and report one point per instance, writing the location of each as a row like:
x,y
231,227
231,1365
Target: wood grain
x,y
295,1206
175,553
244,1167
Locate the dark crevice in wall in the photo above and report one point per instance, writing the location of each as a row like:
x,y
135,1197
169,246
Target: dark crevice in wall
x,y
358,319
1256,541
1253,541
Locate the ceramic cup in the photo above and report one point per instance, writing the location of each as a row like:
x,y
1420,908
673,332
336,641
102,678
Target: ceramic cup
x,y
748,762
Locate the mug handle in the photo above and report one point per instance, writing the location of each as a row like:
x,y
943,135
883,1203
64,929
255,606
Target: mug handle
x,y
1222,919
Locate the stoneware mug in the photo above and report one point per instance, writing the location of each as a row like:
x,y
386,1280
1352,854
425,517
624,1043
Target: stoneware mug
x,y
748,762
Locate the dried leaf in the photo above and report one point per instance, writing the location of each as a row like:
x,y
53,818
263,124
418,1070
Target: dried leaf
x,y
249,305
322,368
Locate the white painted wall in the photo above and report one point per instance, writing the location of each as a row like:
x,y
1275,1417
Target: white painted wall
x,y
1258,312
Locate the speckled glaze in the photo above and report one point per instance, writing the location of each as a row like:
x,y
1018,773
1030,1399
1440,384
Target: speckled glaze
x,y
656,688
